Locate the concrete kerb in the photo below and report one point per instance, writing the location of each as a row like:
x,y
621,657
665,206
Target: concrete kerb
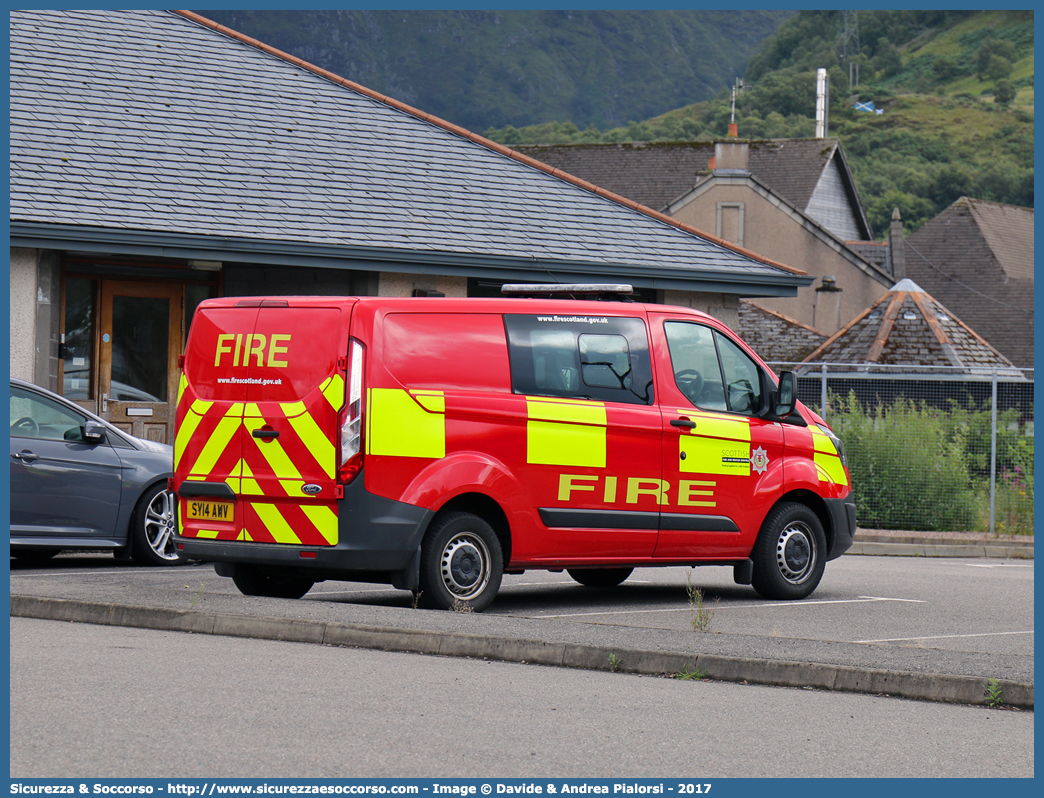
x,y
927,687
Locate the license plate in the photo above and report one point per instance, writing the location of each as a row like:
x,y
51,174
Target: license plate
x,y
211,511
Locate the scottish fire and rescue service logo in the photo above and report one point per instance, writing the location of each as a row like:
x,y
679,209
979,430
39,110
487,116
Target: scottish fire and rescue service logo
x,y
759,460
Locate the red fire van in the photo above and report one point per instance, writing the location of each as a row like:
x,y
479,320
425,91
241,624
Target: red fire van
x,y
436,444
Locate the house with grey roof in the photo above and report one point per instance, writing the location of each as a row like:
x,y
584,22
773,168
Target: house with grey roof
x,y
158,159
976,257
793,200
774,335
909,327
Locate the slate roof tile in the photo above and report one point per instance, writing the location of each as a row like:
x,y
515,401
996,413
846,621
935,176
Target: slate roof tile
x,y
141,123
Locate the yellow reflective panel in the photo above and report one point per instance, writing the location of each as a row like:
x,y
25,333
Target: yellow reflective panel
x,y
315,441
207,533
325,520
333,390
551,443
216,444
577,411
399,427
274,522
830,469
713,456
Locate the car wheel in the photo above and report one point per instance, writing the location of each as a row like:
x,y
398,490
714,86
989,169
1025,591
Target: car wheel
x,y
34,556
599,577
152,528
790,553
253,581
461,564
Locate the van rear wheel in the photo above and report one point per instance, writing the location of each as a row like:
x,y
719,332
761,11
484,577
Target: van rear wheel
x,y
252,581
599,577
790,553
461,564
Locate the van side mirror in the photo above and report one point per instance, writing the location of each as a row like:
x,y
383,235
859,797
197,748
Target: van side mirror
x,y
93,432
786,394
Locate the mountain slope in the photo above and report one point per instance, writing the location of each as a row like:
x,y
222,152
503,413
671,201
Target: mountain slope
x,y
482,69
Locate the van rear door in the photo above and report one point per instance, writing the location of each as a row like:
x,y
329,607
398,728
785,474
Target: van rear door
x,y
255,453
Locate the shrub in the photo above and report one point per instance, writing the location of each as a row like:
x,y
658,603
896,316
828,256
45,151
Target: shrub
x,y
909,471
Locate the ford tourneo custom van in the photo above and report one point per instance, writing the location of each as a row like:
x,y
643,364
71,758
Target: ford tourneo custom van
x,y
438,443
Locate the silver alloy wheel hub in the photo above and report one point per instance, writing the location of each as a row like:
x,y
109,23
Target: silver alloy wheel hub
x,y
795,553
159,525
465,566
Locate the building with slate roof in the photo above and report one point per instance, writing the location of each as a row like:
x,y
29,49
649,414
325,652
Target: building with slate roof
x,y
793,200
977,258
908,327
775,336
158,159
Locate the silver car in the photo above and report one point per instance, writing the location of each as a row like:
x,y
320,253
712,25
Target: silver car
x,y
77,482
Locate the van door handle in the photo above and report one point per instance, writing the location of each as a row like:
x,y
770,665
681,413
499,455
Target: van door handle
x,y
683,422
25,456
265,433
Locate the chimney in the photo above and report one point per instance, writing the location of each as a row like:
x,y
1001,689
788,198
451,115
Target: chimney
x,y
822,99
826,312
897,247
733,130
731,155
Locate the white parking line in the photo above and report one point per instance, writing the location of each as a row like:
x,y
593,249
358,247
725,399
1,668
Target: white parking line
x,y
940,637
997,565
860,600
15,574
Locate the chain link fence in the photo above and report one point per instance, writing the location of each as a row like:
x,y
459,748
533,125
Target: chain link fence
x,y
930,448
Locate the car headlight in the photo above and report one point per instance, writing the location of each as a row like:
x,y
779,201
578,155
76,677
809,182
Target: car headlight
x,y
837,445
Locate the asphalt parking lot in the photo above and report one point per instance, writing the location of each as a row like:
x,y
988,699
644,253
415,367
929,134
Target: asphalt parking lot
x,y
889,619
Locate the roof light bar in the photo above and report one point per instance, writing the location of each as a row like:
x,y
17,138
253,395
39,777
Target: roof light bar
x,y
563,289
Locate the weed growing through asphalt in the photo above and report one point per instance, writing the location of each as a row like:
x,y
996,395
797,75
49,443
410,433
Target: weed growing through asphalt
x,y
993,694
614,663
197,597
691,674
416,599
701,615
462,606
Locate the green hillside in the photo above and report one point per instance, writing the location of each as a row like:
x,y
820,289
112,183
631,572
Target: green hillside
x,y
482,69
955,90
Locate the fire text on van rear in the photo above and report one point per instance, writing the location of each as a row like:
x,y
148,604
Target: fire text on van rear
x,y
435,444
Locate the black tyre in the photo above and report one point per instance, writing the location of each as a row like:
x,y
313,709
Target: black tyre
x,y
461,564
599,577
152,528
789,554
33,556
252,581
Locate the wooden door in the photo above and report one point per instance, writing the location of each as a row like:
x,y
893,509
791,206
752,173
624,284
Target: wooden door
x,y
140,338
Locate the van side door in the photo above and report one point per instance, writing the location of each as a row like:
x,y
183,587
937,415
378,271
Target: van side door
x,y
592,435
722,458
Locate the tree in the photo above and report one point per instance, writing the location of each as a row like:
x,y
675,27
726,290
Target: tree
x,y
998,68
1004,91
945,68
887,61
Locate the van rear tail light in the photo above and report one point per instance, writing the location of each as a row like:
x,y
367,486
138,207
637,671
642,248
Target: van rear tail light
x,y
351,426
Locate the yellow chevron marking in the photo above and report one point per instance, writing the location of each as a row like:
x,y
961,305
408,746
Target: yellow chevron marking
x,y
217,443
325,520
312,437
333,390
275,523
282,466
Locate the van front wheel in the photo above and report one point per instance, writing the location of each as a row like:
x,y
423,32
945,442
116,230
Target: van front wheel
x,y
789,554
461,564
